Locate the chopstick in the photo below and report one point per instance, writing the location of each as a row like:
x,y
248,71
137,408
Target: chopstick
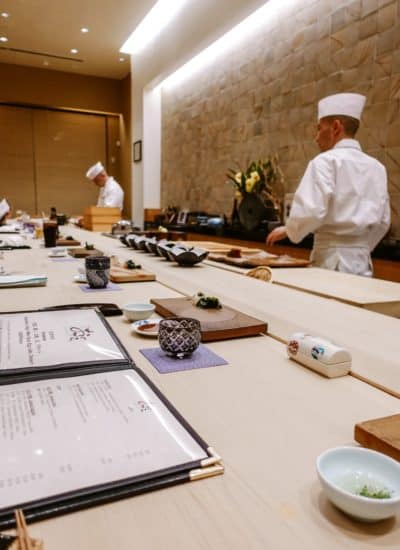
x,y
22,530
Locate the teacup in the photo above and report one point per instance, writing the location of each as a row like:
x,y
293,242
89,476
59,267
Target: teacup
x,y
179,336
97,271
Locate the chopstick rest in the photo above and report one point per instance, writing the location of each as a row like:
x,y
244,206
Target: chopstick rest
x,y
319,354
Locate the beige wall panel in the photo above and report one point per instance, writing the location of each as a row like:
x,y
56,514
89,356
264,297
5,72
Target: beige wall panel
x,y
113,148
16,158
126,146
66,144
58,89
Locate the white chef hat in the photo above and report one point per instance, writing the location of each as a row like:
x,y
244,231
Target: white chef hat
x,y
94,170
342,104
4,208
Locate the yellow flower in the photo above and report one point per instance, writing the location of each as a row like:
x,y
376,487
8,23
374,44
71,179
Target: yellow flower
x,y
256,176
250,183
238,177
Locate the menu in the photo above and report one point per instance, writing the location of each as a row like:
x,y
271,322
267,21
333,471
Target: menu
x,y
79,422
51,338
66,434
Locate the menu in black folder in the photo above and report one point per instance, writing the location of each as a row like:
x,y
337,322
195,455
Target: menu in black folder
x,y
41,340
77,436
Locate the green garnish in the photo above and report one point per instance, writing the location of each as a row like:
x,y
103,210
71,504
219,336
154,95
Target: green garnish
x,y
130,264
89,246
207,302
372,493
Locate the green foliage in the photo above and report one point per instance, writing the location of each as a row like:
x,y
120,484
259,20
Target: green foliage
x,y
262,177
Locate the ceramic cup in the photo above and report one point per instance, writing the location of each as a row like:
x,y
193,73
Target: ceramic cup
x,y
179,336
50,234
97,271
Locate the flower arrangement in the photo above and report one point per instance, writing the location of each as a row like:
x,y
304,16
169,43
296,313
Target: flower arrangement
x,y
263,178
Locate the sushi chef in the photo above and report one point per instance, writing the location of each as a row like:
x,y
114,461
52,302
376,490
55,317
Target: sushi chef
x,y
342,197
111,193
5,210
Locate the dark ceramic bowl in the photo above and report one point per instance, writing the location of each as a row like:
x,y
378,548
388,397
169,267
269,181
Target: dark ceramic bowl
x,y
164,250
188,256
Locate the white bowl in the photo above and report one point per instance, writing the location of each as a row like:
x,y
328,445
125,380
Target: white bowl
x,y
343,471
135,312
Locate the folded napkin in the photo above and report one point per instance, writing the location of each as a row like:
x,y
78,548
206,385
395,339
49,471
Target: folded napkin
x,y
7,281
9,229
16,241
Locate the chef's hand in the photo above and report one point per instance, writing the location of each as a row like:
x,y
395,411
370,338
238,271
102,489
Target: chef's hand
x,y
277,234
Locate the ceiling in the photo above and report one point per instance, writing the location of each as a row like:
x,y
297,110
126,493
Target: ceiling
x,y
51,28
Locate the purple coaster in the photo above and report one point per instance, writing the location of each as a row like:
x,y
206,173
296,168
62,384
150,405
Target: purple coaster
x,y
64,259
110,286
200,359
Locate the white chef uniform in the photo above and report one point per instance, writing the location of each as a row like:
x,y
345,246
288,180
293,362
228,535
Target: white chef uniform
x,y
111,194
342,199
4,209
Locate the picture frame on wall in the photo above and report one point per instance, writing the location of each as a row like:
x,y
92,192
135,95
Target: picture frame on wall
x,y
137,151
182,217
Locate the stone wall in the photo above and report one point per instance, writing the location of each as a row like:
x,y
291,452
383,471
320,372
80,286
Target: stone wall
x,y
260,97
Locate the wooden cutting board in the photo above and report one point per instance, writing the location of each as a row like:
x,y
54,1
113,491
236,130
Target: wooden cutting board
x,y
380,434
222,248
83,252
216,324
67,242
252,261
122,275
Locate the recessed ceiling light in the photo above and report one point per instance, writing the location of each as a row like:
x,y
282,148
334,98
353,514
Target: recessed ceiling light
x,y
73,50
3,39
84,29
122,59
5,14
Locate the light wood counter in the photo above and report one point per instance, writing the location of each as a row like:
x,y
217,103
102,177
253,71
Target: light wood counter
x,y
268,417
370,337
373,294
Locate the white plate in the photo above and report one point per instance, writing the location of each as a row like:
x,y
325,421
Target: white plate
x,y
80,278
59,255
151,331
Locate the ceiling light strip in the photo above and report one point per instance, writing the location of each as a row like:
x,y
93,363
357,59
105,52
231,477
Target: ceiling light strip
x,y
153,23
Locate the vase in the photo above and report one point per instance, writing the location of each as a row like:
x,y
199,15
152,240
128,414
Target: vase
x,y
251,211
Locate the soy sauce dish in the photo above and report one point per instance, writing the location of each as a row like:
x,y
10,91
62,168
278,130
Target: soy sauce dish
x,y
362,483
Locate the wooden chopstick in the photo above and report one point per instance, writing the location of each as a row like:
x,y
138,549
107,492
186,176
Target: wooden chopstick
x,y
20,533
22,529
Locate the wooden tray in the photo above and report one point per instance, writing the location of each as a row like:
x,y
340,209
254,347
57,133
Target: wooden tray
x,y
254,261
380,434
122,275
216,324
67,242
83,252
221,248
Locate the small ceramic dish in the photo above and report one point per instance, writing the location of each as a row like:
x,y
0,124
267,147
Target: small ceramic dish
x,y
58,253
146,327
80,278
136,312
364,484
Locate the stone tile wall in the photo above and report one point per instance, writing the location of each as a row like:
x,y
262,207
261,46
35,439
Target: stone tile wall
x,y
260,97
